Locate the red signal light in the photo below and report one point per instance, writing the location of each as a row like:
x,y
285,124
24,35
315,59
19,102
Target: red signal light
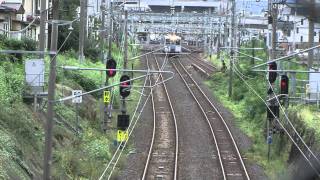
x,y
284,84
272,75
125,86
111,65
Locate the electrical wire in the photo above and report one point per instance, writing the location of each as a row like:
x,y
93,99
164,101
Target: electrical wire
x,y
25,29
244,76
282,126
132,119
66,39
162,67
20,31
131,132
287,118
132,129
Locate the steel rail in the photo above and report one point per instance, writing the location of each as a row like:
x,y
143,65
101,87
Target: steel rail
x,y
147,164
208,67
175,124
204,62
207,119
224,122
153,130
243,167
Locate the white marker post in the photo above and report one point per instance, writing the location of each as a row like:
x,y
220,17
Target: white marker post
x,y
77,100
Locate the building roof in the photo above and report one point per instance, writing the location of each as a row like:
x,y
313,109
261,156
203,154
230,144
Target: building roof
x,y
305,8
12,7
192,3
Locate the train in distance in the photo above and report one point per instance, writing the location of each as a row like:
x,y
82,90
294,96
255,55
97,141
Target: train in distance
x,y
172,44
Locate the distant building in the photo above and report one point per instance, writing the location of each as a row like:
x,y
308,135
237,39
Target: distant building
x,y
162,6
11,17
16,15
294,29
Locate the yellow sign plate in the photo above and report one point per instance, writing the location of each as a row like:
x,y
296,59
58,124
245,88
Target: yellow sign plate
x,y
122,135
106,96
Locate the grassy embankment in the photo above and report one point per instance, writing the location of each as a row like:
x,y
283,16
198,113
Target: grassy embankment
x,y
22,130
250,113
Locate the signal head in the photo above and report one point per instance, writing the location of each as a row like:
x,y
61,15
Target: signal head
x,y
272,75
111,66
125,86
284,84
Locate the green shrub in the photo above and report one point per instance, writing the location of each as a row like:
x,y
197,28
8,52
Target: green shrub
x,y
86,83
92,52
29,44
11,82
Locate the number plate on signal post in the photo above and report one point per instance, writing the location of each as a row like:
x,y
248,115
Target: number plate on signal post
x,y
106,96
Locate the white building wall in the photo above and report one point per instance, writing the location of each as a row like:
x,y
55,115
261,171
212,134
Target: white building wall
x,y
301,32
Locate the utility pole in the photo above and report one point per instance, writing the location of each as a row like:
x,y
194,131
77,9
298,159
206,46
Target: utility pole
x,y
253,41
274,14
219,39
108,109
233,11
226,28
125,63
102,32
139,5
311,33
102,43
43,18
272,23
83,23
51,94
110,29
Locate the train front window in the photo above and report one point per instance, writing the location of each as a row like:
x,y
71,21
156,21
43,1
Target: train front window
x,y
178,42
167,41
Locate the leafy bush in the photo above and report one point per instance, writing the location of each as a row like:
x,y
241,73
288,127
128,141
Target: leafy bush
x,y
15,44
11,82
83,81
92,52
29,44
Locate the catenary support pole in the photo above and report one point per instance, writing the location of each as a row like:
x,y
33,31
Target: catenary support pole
x,y
109,108
110,35
43,19
311,35
125,63
83,6
102,30
51,94
233,11
102,50
253,41
274,12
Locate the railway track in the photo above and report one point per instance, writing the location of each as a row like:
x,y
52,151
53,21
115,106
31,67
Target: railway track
x,y
201,65
195,49
230,160
162,159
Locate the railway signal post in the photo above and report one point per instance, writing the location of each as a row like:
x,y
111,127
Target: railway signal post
x,y
123,122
